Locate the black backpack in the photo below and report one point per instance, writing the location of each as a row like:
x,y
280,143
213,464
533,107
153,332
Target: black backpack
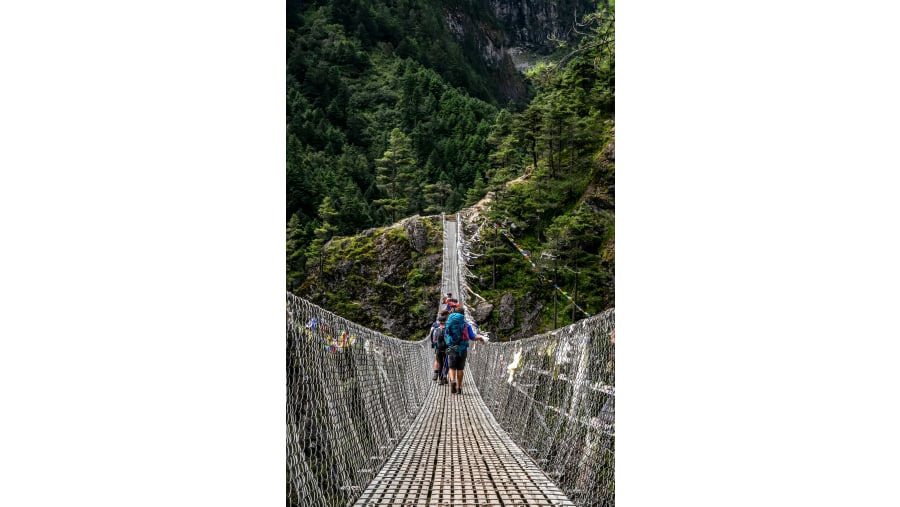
x,y
437,338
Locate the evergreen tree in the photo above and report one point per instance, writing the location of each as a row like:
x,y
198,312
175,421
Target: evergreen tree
x,y
353,213
326,229
395,174
328,215
435,195
528,127
476,191
504,160
295,253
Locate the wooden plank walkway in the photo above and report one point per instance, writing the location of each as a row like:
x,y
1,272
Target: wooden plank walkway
x,y
456,454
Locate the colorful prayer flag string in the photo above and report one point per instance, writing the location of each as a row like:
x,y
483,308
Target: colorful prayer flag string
x,y
344,340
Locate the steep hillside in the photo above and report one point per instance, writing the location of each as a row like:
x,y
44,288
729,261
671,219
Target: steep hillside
x,y
545,255
547,251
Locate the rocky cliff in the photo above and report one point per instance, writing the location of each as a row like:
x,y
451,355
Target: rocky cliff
x,y
531,24
386,279
508,33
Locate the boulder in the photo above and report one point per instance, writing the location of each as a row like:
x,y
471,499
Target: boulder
x,y
507,312
417,234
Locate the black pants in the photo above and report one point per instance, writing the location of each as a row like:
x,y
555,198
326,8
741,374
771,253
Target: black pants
x,y
457,360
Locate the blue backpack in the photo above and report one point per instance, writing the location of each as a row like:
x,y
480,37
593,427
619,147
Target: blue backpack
x,y
456,333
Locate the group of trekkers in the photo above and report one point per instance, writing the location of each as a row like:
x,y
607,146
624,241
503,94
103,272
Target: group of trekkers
x,y
450,337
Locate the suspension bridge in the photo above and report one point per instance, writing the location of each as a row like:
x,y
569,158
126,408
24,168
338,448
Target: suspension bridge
x,y
366,425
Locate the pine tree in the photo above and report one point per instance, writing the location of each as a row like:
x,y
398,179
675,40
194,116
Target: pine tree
x,y
436,195
354,212
504,160
476,191
295,254
528,127
327,216
395,173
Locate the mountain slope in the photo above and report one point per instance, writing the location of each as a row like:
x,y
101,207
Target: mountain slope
x,y
549,169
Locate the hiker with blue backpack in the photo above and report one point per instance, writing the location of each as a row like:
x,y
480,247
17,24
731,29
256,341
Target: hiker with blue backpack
x,y
439,344
458,334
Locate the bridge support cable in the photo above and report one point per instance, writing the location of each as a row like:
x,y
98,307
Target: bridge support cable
x,y
352,394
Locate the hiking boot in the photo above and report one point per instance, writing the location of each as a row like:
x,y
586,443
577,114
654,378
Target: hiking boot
x,y
442,382
459,390
434,377
453,388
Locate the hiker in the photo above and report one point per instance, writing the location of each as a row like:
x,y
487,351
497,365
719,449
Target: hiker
x,y
439,344
452,304
447,298
434,325
458,333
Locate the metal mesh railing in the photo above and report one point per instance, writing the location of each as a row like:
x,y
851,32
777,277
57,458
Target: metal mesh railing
x,y
352,393
555,395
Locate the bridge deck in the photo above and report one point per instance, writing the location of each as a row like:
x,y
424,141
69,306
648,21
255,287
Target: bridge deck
x,y
455,454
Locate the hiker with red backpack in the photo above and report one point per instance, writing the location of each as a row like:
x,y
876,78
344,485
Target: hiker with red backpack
x,y
452,304
458,334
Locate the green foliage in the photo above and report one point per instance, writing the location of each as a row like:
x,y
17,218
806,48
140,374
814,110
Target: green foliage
x,y
297,235
562,211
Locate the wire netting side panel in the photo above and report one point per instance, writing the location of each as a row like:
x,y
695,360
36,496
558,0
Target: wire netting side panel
x,y
352,394
555,395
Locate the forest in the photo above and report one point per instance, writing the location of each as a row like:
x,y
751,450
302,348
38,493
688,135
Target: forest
x,y
392,113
